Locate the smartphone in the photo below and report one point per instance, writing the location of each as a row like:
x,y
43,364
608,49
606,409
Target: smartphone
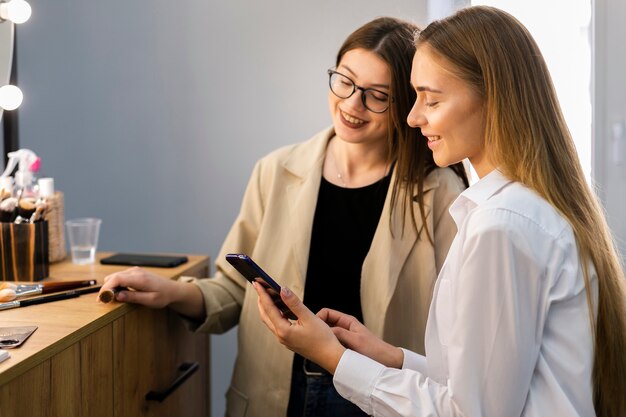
x,y
252,272
139,259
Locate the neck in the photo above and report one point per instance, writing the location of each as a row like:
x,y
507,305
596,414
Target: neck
x,y
355,165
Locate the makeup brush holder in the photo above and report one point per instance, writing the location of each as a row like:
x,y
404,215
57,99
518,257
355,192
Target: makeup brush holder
x,y
24,251
55,216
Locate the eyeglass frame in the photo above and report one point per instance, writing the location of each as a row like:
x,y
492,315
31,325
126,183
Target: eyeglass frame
x,y
355,87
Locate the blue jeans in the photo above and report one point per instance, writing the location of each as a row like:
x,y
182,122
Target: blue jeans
x,y
314,395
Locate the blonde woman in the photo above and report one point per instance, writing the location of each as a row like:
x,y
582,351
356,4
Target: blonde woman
x,y
528,316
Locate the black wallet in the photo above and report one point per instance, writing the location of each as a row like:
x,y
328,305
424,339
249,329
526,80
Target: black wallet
x,y
140,259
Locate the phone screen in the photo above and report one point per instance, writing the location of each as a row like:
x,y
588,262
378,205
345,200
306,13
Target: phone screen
x,y
252,272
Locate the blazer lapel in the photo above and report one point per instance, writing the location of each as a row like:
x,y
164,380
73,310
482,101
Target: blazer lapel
x,y
305,167
387,255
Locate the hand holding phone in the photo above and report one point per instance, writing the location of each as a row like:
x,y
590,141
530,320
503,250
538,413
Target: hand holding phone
x,y
253,273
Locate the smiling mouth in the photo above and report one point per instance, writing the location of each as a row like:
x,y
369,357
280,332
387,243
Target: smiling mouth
x,y
434,138
351,119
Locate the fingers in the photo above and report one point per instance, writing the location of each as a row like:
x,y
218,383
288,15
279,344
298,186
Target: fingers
x,y
349,339
295,304
336,318
263,314
149,289
138,297
270,314
127,278
359,339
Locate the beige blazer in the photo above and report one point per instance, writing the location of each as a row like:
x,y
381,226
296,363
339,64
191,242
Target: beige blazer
x,y
274,228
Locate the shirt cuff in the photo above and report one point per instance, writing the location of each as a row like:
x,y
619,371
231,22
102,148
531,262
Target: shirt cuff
x,y
415,362
355,378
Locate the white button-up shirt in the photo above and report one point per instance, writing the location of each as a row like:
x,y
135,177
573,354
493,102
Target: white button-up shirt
x,y
509,330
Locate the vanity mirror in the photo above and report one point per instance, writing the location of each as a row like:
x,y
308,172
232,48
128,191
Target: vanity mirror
x,y
6,52
11,12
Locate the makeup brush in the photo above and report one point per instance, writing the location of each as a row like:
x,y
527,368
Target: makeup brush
x,y
7,291
38,214
25,208
7,294
8,208
107,296
4,194
10,291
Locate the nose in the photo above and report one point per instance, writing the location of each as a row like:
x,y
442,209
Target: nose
x,y
357,99
416,116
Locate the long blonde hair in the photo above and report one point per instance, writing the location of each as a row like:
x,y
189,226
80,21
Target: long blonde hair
x,y
527,138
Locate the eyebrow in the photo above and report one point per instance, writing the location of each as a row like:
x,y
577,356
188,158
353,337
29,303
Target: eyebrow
x,y
432,90
354,75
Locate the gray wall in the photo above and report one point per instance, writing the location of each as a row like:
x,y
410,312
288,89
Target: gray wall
x,y
150,114
609,74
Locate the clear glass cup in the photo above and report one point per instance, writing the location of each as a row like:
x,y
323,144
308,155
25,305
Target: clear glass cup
x,y
83,238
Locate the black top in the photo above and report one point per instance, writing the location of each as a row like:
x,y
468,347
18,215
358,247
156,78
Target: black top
x,y
343,228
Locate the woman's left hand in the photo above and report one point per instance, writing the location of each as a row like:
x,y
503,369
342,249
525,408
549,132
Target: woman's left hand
x,y
352,334
308,336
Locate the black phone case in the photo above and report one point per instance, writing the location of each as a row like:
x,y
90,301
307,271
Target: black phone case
x,y
251,271
138,259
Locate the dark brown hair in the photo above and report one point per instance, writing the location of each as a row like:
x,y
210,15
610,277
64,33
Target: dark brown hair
x,y
393,41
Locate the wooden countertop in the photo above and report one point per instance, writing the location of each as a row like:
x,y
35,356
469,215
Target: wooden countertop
x,y
65,322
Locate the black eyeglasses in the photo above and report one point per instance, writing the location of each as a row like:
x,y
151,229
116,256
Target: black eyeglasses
x,y
343,87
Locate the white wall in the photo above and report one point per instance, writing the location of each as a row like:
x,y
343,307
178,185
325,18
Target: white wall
x,y
150,114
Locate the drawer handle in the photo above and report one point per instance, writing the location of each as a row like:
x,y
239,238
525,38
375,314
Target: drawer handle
x,y
187,370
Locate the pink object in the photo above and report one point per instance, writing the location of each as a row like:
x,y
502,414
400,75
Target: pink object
x,y
34,167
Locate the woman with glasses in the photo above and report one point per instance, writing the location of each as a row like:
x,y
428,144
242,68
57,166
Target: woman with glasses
x,y
529,311
355,219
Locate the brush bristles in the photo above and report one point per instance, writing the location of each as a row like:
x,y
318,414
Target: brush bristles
x,y
7,294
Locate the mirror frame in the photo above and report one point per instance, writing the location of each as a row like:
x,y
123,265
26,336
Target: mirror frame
x,y
7,36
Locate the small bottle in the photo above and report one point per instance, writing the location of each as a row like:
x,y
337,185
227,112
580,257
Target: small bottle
x,y
46,187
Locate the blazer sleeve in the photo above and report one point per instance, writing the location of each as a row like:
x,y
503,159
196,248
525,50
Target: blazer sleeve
x,y
224,292
450,186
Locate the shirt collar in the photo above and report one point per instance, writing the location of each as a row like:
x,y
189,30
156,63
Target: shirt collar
x,y
478,193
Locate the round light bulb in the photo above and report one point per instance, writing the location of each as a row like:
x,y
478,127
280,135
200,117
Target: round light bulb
x,y
10,97
17,11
